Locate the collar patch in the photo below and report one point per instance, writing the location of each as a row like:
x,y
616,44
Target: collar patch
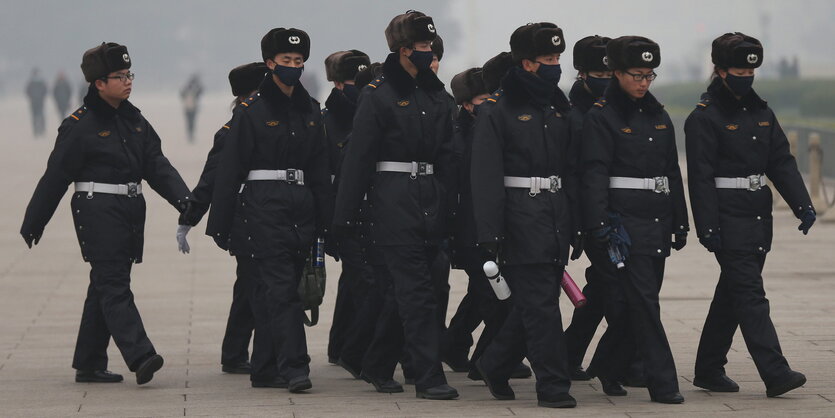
x,y
524,118
104,134
403,103
272,123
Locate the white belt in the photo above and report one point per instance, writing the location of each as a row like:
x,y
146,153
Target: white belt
x,y
129,190
656,184
289,175
751,183
414,168
536,184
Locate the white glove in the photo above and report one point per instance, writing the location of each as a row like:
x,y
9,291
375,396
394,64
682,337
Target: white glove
x,y
182,242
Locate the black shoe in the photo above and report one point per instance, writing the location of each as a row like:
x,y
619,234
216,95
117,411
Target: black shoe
x,y
635,381
719,383
384,385
278,382
671,398
350,369
474,374
612,387
792,381
240,368
579,374
145,371
560,400
438,393
500,390
522,371
458,364
97,376
299,384
333,360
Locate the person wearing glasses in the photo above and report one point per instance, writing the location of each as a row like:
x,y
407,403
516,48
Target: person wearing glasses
x,y
632,183
107,148
733,142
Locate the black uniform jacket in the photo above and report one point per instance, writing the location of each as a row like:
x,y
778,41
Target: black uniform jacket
x,y
632,138
727,137
270,131
463,227
205,186
402,119
101,144
338,117
522,136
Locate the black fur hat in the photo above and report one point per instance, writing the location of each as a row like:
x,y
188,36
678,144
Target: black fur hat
x,y
468,84
280,40
737,50
104,59
535,39
495,69
245,79
633,52
438,47
590,54
366,75
410,27
344,65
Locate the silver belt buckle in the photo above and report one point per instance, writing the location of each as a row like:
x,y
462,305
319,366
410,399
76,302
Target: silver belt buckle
x,y
555,184
133,189
423,169
662,185
291,175
754,183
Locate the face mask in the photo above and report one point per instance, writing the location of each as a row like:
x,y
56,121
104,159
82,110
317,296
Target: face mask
x,y
549,73
288,75
739,85
351,92
421,59
597,85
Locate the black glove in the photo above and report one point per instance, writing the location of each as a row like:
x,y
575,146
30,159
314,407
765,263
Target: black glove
x,y
807,219
222,242
332,246
713,242
679,241
578,243
31,238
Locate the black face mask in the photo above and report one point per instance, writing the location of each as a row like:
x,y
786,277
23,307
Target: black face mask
x,y
597,85
550,73
421,59
288,75
739,85
351,92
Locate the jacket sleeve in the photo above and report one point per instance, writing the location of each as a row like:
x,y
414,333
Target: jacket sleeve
x,y
681,223
63,166
360,157
573,170
597,154
161,175
317,177
449,159
203,191
487,177
231,171
783,173
701,145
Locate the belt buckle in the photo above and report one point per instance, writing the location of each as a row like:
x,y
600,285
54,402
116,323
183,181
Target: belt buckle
x,y
754,183
423,168
133,189
290,175
555,184
662,185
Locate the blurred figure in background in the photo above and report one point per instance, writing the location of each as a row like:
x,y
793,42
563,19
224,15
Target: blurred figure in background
x,y
36,92
61,92
191,95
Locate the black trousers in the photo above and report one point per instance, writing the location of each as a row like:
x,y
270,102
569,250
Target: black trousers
x,y
633,313
409,315
109,310
279,346
533,329
358,304
241,322
585,320
740,301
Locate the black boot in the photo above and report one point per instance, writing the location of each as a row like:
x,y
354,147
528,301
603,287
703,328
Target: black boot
x,y
560,400
240,368
384,385
718,383
278,382
671,398
500,390
439,393
612,387
793,380
299,384
97,376
145,371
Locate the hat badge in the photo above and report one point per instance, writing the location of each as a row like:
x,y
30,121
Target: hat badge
x,y
605,60
125,57
431,28
361,67
647,56
295,40
556,40
753,58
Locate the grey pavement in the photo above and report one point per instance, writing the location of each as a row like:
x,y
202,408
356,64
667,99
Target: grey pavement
x,y
184,302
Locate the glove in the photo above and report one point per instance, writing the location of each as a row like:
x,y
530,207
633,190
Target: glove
x,y
332,247
807,219
578,243
713,242
222,242
679,241
182,242
32,239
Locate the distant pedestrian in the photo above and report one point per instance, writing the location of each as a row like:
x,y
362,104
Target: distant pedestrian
x,y
36,92
191,95
62,92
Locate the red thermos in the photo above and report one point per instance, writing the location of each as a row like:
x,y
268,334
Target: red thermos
x,y
575,295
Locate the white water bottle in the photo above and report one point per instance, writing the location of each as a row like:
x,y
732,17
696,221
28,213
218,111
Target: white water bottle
x,y
491,270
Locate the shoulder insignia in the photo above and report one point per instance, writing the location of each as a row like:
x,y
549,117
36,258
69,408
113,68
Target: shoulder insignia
x,y
660,127
248,101
703,103
626,130
402,103
104,134
226,127
524,118
78,114
732,127
377,81
272,123
600,103
766,123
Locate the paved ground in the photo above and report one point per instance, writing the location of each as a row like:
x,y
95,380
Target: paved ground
x,y
184,302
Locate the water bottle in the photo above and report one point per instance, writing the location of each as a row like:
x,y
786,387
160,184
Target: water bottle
x,y
319,253
575,295
615,256
491,270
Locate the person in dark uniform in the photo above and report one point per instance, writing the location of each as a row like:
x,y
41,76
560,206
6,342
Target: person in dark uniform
x,y
190,94
632,182
62,92
107,148
271,200
338,116
244,80
523,182
400,155
36,92
593,77
733,143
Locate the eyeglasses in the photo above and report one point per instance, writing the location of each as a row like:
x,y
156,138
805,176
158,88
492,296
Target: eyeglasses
x,y
641,77
121,77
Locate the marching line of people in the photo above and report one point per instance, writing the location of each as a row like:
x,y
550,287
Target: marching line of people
x,y
403,181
